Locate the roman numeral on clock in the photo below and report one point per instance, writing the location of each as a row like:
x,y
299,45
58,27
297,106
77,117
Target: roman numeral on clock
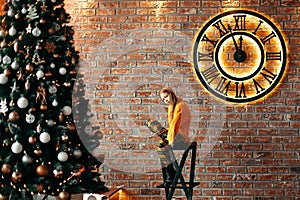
x,y
269,76
256,29
210,74
206,39
240,22
223,86
240,91
268,37
205,56
258,87
273,55
220,26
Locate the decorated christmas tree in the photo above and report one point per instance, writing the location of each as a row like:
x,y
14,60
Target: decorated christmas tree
x,y
41,151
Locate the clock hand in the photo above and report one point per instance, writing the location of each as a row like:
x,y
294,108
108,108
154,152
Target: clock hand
x,y
241,42
235,44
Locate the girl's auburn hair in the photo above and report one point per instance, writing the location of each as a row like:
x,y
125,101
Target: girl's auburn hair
x,y
173,96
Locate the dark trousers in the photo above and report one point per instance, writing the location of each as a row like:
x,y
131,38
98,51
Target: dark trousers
x,y
164,152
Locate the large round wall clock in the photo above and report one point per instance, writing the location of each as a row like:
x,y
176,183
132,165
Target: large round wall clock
x,y
240,56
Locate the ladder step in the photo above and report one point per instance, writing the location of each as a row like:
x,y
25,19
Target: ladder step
x,y
178,186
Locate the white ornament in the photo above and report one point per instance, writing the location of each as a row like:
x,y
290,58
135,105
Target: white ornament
x,y
44,137
62,71
54,103
3,79
26,159
22,102
32,12
15,65
67,110
3,106
52,89
30,118
36,32
6,60
10,13
53,1
24,10
40,74
62,156
88,130
77,153
16,147
56,26
52,65
2,33
50,122
12,31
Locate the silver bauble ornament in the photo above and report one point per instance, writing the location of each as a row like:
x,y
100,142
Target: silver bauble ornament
x,y
62,156
30,118
26,159
39,74
16,147
15,65
3,79
67,110
6,60
62,71
22,102
36,32
12,31
44,137
77,153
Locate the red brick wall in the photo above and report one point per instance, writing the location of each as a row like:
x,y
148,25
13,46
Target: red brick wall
x,y
130,49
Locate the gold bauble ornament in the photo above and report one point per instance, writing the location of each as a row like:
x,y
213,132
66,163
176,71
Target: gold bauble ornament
x,y
71,127
42,21
3,197
3,44
16,176
5,7
32,140
18,16
43,107
51,31
29,67
21,37
6,168
13,116
61,117
42,170
4,20
27,84
58,173
64,195
7,72
39,188
38,151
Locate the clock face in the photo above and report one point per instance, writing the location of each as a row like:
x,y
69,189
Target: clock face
x,y
239,56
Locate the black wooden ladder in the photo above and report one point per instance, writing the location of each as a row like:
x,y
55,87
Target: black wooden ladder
x,y
179,182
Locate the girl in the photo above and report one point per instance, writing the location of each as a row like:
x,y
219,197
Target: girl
x,y
179,119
